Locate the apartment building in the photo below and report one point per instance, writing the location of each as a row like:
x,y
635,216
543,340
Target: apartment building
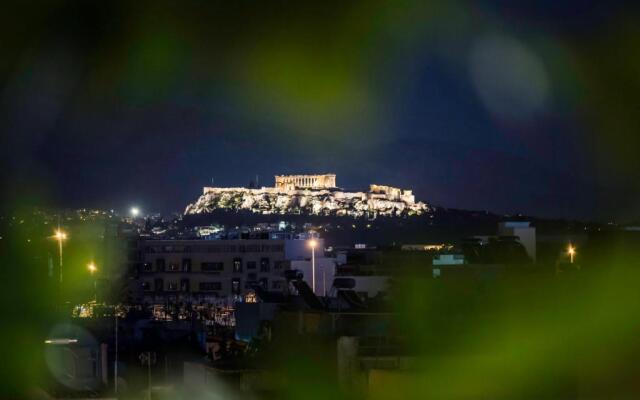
x,y
206,270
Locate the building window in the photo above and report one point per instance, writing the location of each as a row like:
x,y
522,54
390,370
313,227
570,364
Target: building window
x,y
212,267
277,285
159,285
252,276
264,282
210,286
146,286
186,264
147,267
160,264
264,264
237,265
235,286
185,285
251,265
173,267
172,286
278,264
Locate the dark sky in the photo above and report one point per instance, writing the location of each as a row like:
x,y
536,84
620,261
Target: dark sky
x,y
530,108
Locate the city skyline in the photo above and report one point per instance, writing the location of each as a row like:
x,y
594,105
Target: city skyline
x,y
357,200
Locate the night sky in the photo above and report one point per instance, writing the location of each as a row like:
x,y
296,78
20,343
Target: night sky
x,y
530,108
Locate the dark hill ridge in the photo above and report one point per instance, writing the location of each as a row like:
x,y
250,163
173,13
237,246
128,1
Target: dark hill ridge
x,y
442,225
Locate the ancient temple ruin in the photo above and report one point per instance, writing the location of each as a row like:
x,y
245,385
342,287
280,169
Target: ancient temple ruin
x,y
291,182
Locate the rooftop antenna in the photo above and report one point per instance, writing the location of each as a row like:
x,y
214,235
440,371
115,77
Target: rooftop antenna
x,y
212,181
257,181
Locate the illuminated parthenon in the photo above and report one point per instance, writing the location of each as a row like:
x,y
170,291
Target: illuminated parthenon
x,y
310,194
289,182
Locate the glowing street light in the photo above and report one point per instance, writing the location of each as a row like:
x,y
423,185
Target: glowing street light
x,y
135,211
60,236
92,270
92,267
572,252
313,243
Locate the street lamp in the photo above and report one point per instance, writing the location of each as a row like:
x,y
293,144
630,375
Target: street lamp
x,y
60,236
92,267
135,211
313,243
572,252
92,270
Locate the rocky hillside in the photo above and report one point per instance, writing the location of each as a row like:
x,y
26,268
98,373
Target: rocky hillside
x,y
320,202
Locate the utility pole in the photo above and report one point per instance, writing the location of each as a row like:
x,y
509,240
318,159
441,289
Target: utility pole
x,y
146,357
313,265
115,363
60,254
60,236
149,373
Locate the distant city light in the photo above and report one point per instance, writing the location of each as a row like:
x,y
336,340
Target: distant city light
x,y
60,235
250,298
313,243
135,211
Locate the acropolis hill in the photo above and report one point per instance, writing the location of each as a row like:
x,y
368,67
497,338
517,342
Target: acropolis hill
x,y
310,194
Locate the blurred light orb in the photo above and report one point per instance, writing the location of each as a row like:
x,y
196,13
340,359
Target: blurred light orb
x,y
510,79
135,211
70,352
